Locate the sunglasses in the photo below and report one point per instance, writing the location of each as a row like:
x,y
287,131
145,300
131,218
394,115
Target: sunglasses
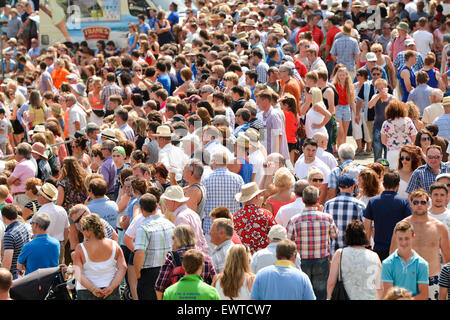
x,y
376,51
405,158
425,138
79,218
317,180
137,70
376,74
422,202
433,157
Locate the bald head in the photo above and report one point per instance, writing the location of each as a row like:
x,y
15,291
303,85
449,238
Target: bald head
x,y
299,186
5,280
322,139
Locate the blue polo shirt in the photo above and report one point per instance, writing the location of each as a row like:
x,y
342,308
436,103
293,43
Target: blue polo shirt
x,y
403,275
164,79
106,209
282,281
385,210
42,252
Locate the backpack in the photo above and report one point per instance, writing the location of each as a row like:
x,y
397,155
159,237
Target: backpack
x,y
178,271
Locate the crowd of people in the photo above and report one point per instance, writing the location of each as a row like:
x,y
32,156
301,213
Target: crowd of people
x,y
215,157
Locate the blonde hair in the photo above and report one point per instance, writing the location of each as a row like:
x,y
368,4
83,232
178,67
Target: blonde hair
x,y
4,191
313,171
350,89
184,235
283,178
236,265
93,224
316,95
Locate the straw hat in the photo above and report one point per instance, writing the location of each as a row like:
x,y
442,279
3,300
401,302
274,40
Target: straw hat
x,y
248,192
39,149
38,129
250,23
108,133
403,26
446,101
277,233
174,193
163,131
48,191
253,135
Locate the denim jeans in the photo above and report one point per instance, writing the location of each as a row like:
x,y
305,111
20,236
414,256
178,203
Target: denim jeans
x,y
378,148
317,270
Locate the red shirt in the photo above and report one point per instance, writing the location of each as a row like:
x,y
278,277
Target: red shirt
x,y
316,33
330,39
253,224
342,94
300,67
291,126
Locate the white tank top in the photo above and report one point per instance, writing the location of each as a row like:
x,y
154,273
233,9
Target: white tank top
x,y
244,293
313,117
99,273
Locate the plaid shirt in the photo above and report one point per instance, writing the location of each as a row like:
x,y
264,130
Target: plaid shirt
x,y
262,68
154,236
400,61
345,48
344,208
109,90
163,281
312,231
423,177
221,187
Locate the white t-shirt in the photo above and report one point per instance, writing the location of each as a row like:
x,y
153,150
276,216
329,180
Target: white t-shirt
x,y
443,217
257,160
301,169
4,125
424,40
76,114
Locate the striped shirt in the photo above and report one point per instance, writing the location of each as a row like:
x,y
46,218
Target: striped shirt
x,y
344,208
16,236
345,48
262,68
154,236
109,90
444,278
423,177
400,61
221,187
443,122
312,231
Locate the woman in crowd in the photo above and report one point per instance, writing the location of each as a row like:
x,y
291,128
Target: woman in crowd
x,y
414,115
133,36
424,139
186,75
37,112
385,62
236,280
80,151
95,101
31,190
289,106
397,130
364,48
317,116
71,188
283,181
139,127
369,185
183,240
357,265
162,28
99,263
54,127
346,102
409,160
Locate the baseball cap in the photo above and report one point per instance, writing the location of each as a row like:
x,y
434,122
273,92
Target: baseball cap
x,y
119,149
371,57
346,181
383,162
443,175
277,233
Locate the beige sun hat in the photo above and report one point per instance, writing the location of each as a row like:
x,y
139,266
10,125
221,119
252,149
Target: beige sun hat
x,y
174,193
163,131
48,191
248,192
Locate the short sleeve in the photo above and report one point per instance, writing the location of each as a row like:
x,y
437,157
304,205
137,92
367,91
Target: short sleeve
x,y
255,288
8,242
367,212
141,241
386,272
22,259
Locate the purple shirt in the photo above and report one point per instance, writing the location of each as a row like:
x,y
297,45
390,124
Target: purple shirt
x,y
274,128
127,131
108,170
184,215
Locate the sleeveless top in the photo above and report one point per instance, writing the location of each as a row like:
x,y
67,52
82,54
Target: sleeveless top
x,y
244,293
342,92
412,78
202,203
313,117
165,37
99,273
336,95
246,171
359,270
276,205
432,82
96,105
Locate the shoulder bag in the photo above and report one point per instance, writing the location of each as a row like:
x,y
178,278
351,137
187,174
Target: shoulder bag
x,y
339,292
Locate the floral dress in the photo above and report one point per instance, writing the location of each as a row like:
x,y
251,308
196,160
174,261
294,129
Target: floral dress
x,y
71,195
398,132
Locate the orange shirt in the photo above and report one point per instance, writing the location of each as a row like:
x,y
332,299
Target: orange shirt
x,y
59,77
293,87
66,122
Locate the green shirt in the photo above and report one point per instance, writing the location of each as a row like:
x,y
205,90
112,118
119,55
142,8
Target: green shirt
x,y
191,288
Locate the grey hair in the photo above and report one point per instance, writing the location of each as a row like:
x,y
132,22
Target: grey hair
x,y
42,220
310,195
346,152
299,186
78,208
184,235
437,94
221,120
71,97
196,167
226,225
24,149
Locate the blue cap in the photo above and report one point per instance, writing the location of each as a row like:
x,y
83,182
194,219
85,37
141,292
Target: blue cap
x,y
346,181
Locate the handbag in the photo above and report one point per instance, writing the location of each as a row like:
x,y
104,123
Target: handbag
x,y
339,292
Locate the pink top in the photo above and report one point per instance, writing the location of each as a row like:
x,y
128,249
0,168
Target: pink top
x,y
397,46
276,205
9,198
184,215
24,169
